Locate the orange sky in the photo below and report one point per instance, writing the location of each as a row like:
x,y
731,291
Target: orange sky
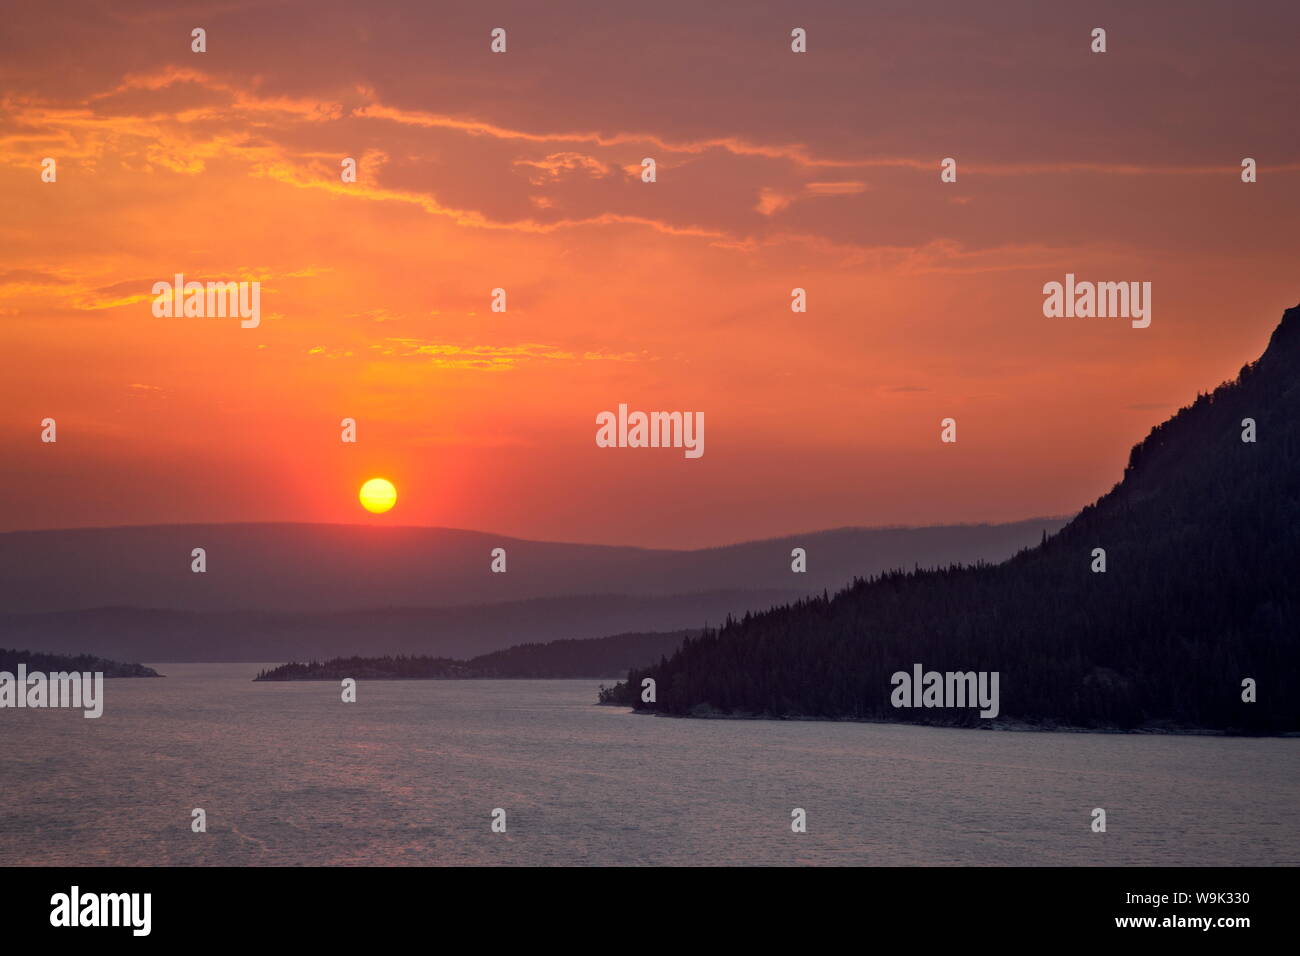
x,y
477,171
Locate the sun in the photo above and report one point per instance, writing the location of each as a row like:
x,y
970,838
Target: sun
x,y
378,495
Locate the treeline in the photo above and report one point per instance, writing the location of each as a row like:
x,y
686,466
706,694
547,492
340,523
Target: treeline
x,y
81,663
400,667
1199,593
594,658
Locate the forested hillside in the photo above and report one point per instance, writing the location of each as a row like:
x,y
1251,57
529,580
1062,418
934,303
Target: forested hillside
x,y
1201,591
567,659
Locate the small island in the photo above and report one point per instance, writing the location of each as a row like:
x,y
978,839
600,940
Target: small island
x,y
35,661
371,668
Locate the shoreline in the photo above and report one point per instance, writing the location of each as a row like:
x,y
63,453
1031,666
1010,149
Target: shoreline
x,y
323,680
1008,726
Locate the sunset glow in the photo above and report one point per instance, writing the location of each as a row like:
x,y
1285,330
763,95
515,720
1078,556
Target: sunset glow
x,y
477,172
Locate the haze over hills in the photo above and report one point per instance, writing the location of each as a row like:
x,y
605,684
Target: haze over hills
x,y
152,634
1199,594
292,591
319,567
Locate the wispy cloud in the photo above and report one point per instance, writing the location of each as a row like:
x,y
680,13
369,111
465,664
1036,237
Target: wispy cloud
x,y
491,357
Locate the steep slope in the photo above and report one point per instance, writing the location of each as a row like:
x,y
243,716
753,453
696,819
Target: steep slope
x,y
1199,593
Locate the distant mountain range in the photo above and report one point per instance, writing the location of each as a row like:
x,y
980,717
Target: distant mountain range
x,y
1200,594
322,567
296,591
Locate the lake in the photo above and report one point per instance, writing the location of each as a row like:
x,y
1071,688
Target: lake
x,y
410,775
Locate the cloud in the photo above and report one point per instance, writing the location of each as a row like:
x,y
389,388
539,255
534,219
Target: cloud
x,y
491,357
555,166
184,120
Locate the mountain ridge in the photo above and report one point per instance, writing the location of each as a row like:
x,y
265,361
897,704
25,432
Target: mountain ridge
x,y
306,567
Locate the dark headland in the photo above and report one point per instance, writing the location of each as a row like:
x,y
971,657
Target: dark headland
x,y
1199,600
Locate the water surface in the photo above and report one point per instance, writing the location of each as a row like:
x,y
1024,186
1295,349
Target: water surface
x,y
410,774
